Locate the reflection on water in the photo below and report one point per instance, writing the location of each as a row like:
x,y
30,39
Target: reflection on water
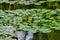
x,y
29,36
20,35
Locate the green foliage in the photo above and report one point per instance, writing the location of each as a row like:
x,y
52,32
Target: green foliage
x,y
31,19
3,1
17,4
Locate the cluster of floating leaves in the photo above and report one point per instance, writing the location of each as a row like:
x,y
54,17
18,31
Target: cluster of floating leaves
x,y
31,19
24,2
35,2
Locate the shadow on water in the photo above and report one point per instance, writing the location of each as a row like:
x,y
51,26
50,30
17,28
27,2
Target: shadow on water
x,y
40,36
45,36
